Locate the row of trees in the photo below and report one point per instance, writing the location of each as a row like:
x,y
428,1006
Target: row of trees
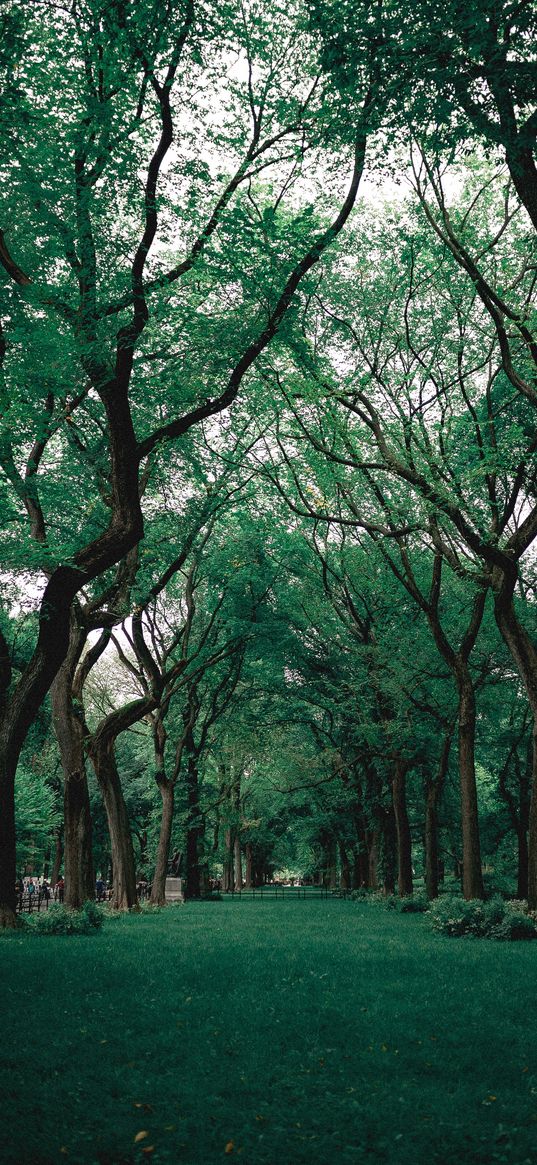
x,y
164,250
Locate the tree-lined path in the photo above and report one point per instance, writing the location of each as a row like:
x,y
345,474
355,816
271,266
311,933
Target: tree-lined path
x,y
277,1034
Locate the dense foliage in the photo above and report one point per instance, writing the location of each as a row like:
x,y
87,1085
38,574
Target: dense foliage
x,y
267,447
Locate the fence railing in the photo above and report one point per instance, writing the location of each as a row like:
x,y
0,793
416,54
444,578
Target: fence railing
x,y
286,893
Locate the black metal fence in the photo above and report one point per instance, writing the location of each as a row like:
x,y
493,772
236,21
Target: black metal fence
x,y
286,893
34,903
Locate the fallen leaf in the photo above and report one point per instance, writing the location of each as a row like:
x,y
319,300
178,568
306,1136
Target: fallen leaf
x,y
229,1147
148,1149
140,1136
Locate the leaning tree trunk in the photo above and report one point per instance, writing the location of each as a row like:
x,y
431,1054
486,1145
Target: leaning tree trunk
x,y
124,896
69,732
158,888
402,826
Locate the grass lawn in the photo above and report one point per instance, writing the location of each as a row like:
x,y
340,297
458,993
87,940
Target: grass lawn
x,y
276,1033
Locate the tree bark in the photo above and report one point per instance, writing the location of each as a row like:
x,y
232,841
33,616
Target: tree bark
x,y
69,731
58,856
158,888
431,841
124,895
433,792
524,655
227,872
237,862
472,877
345,879
402,826
389,848
194,829
373,838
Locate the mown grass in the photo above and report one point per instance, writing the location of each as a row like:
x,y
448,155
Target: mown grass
x,y
277,1033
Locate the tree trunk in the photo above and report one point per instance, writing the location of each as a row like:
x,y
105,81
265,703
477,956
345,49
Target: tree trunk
x,y
345,879
8,765
373,838
331,864
69,727
402,826
124,896
194,830
158,888
433,792
227,873
431,841
389,848
472,878
524,655
238,862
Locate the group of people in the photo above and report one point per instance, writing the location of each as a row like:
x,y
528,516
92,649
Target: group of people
x,y
39,889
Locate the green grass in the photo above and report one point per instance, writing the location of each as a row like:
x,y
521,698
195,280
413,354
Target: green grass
x,y
313,1033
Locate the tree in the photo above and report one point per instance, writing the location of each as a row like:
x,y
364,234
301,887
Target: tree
x,y
102,331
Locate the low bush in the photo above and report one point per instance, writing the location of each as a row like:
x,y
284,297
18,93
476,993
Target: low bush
x,y
498,919
413,903
410,904
58,920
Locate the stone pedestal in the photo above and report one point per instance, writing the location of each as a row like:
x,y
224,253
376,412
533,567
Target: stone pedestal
x,y
174,890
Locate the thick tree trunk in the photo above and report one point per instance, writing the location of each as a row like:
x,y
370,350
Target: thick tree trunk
x,y
124,896
472,877
69,731
402,826
158,888
8,765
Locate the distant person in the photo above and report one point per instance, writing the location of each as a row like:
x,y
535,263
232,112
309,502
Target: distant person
x,y
100,890
60,888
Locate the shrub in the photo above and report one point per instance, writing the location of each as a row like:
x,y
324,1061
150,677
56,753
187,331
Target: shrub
x,y
413,903
498,919
58,920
